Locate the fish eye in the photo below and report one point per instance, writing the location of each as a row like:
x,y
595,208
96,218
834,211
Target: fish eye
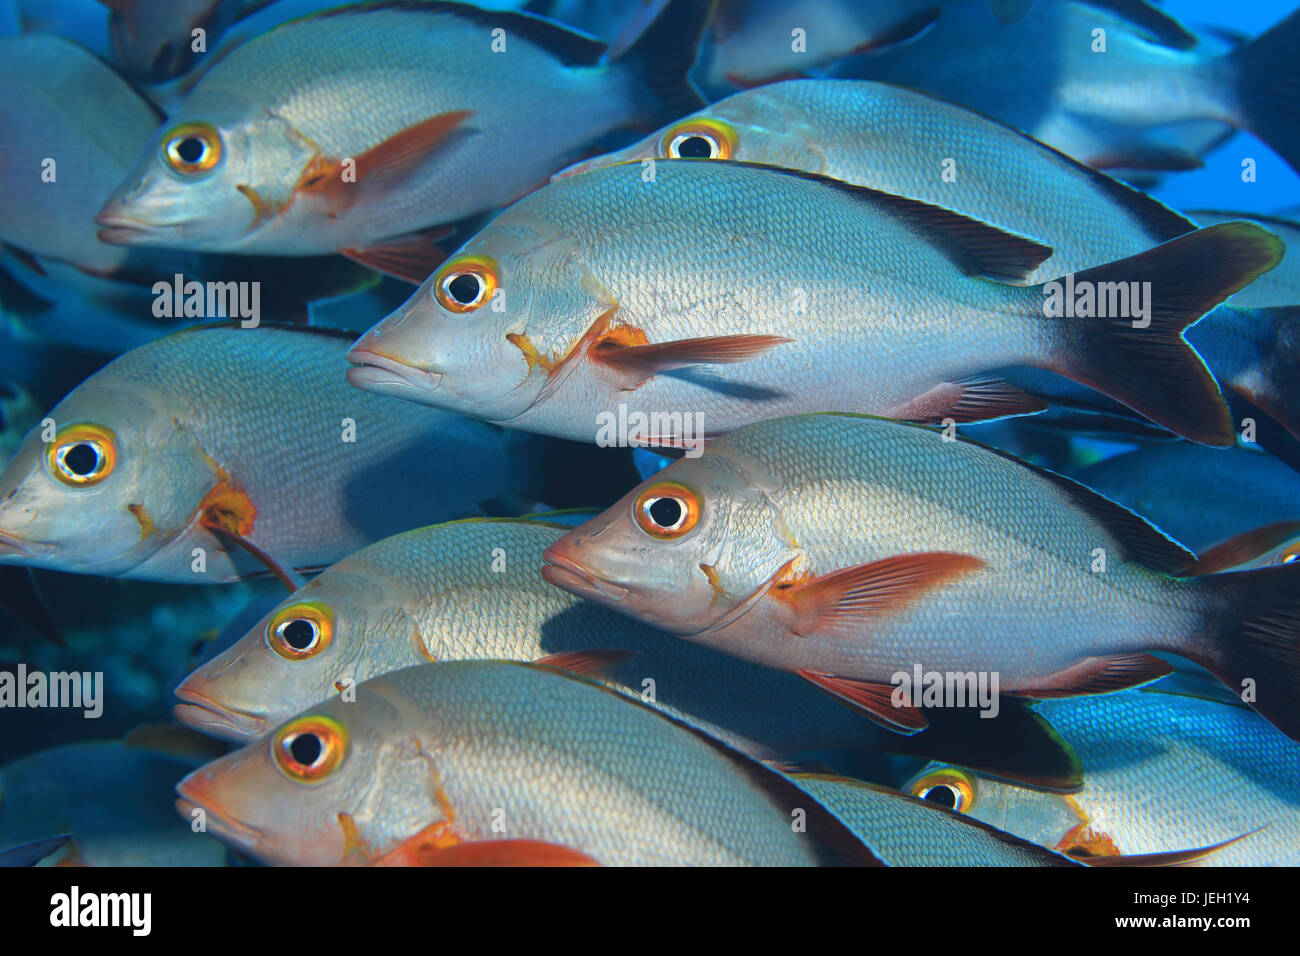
x,y
192,148
82,454
465,283
949,787
301,630
700,139
1289,556
309,749
667,510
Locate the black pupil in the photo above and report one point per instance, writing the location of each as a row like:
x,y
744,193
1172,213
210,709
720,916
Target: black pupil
x,y
666,512
190,149
299,634
943,795
306,749
464,288
695,147
81,459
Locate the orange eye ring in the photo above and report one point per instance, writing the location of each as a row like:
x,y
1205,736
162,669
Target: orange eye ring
x,y
958,785
677,517
300,630
82,454
309,749
466,282
192,149
701,138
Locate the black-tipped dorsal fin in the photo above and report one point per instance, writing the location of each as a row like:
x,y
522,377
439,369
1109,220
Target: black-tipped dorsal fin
x,y
1142,541
975,246
1153,21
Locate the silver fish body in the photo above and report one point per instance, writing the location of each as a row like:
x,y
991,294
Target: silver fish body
x,y
254,429
473,752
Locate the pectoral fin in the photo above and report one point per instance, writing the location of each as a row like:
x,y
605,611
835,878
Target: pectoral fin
x,y
380,165
636,364
228,513
1245,547
843,600
874,699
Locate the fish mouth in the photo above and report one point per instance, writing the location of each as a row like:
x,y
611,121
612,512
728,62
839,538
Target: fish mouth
x,y
568,575
224,828
119,229
372,371
13,546
205,714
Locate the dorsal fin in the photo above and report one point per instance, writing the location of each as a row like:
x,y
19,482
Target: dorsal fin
x,y
571,47
1156,23
975,246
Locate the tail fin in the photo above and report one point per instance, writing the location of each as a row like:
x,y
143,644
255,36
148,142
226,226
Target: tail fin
x,y
1136,353
1272,381
1268,87
1254,640
663,53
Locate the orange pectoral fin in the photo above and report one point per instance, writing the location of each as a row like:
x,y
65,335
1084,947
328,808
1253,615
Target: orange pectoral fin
x,y
229,513
635,364
843,600
380,164
874,699
419,852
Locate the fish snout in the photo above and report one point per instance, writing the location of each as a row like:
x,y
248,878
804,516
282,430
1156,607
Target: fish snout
x,y
564,570
117,226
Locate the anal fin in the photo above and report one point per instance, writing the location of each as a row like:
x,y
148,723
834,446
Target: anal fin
x,y
1102,675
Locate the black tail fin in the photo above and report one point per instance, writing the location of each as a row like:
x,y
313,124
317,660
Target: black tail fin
x,y
1272,381
663,53
1145,362
1253,623
1268,87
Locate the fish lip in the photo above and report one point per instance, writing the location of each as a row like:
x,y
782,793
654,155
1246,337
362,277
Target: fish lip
x,y
568,575
12,545
120,229
224,827
372,368
205,714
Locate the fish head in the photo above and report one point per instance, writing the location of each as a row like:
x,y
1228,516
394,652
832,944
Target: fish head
x,y
102,483
498,325
338,784
206,182
688,551
757,126
349,624
1036,815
